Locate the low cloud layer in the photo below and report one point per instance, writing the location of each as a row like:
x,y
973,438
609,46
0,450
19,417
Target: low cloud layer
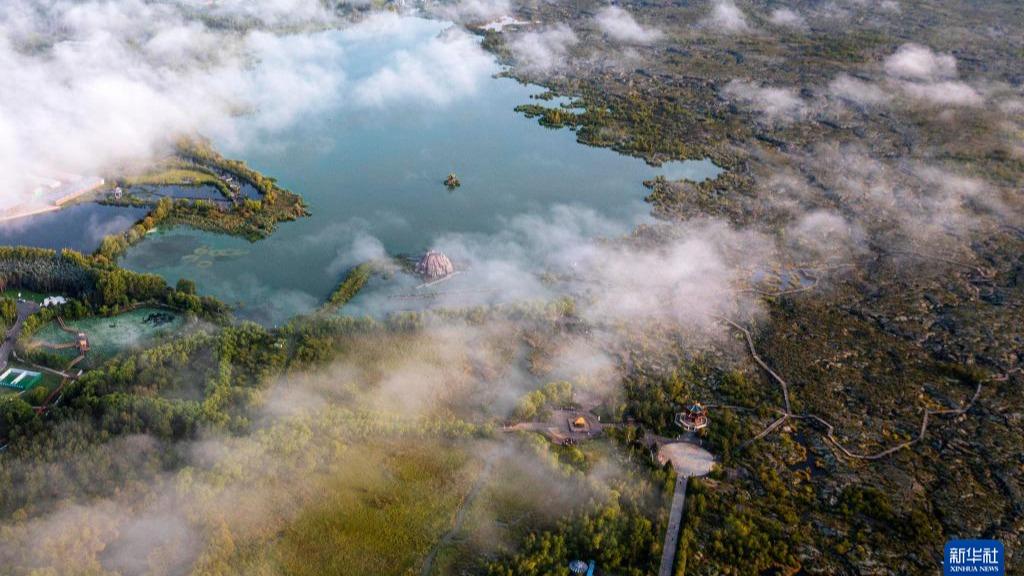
x,y
906,203
787,17
474,11
543,50
858,91
96,85
916,62
931,77
914,75
446,68
777,105
683,279
726,17
620,26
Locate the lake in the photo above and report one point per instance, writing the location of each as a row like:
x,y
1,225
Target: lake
x,y
372,176
80,226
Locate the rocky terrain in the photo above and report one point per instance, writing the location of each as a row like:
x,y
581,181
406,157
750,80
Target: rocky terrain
x,y
894,132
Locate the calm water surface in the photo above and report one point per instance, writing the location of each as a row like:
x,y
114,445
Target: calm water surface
x,y
80,227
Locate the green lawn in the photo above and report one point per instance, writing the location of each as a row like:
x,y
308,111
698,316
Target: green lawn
x,y
25,294
109,336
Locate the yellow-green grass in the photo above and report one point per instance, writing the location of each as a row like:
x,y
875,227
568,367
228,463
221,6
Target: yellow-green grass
x,y
379,513
524,491
173,175
382,524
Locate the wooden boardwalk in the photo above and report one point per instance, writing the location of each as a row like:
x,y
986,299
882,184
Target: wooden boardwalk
x,y
675,520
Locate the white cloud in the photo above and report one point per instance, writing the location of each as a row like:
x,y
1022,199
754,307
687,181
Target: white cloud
x,y
916,62
93,85
271,12
914,72
684,279
776,104
725,16
856,90
927,204
929,76
113,82
948,93
545,49
474,11
449,66
890,6
622,27
293,76
361,248
787,17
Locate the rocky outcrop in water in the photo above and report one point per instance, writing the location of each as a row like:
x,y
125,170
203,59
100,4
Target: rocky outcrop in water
x,y
434,265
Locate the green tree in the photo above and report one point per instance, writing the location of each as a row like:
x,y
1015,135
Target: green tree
x,y
8,311
186,286
113,288
16,416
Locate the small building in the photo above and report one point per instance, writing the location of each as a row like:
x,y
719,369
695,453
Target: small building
x,y
694,418
434,265
578,567
579,423
83,342
54,301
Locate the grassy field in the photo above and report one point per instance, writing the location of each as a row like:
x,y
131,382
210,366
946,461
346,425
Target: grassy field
x,y
378,513
391,502
109,336
381,520
25,294
177,175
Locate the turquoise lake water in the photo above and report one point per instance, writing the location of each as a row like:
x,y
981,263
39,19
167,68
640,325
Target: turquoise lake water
x,y
377,172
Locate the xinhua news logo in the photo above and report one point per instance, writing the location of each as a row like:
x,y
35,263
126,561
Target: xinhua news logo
x,y
973,557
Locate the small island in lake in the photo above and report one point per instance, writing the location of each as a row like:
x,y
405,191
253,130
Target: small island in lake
x,y
452,181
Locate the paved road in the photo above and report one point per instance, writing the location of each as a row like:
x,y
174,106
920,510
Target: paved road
x,y
675,519
688,460
25,309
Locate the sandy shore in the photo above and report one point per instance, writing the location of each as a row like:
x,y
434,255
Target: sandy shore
x,y
25,211
61,196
